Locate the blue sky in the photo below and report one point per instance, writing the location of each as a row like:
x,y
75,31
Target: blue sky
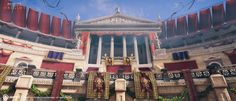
x,y
148,9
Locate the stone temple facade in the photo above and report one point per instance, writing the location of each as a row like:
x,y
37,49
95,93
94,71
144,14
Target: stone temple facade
x,y
118,57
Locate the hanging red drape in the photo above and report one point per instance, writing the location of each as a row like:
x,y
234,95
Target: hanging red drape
x,y
84,39
192,23
56,26
19,15
218,14
4,55
230,10
181,26
66,28
5,10
174,66
152,44
92,69
62,66
32,19
44,23
232,56
205,19
146,69
115,68
171,28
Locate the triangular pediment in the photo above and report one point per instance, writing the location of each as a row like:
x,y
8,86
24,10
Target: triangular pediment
x,y
117,19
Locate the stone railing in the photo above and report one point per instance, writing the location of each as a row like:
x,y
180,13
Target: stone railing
x,y
227,71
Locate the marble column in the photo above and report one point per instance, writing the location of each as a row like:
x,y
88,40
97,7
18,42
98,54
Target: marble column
x,y
23,85
112,47
120,88
147,50
136,50
124,47
220,87
99,50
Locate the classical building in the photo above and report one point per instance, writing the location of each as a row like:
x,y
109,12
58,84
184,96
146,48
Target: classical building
x,y
118,57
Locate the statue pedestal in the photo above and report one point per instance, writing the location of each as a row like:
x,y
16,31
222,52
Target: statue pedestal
x,y
120,88
220,87
23,85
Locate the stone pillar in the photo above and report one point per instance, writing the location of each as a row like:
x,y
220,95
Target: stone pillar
x,y
99,50
220,87
112,47
120,87
136,49
148,50
22,88
124,47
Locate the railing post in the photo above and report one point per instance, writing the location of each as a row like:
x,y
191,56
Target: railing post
x,y
220,87
23,85
219,84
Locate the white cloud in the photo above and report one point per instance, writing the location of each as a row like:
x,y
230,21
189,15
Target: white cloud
x,y
103,6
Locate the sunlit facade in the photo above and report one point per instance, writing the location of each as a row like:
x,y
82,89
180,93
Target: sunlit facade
x,y
117,57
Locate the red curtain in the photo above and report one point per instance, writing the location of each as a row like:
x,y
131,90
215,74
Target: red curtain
x,y
61,66
205,19
32,19
192,23
152,39
144,69
44,23
232,56
218,14
56,26
92,69
181,26
66,28
5,10
115,68
19,15
231,10
84,39
4,55
181,65
171,28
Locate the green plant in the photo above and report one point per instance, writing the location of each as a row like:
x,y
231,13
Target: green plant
x,y
39,93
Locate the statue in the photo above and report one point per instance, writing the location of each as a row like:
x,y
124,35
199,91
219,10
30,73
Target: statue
x,y
146,85
98,85
127,61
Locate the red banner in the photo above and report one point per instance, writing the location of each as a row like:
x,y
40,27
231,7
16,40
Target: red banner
x,y
84,39
181,26
61,66
174,66
19,15
5,10
32,19
218,14
44,23
56,26
66,28
192,23
115,68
